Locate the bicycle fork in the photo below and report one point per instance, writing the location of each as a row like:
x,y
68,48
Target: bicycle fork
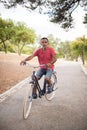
x,y
38,87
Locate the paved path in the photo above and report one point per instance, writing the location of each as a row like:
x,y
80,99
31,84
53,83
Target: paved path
x,y
67,111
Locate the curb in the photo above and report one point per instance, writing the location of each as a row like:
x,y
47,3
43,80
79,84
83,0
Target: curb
x,y
12,90
83,69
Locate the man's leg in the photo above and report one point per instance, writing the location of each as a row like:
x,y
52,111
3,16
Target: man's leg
x,y
47,78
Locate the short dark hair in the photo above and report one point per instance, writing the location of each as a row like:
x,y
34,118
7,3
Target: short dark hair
x,y
45,38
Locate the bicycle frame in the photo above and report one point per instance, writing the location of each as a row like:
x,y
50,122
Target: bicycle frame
x,y
37,85
35,80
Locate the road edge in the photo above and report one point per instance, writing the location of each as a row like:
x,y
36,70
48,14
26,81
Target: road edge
x,y
13,89
83,69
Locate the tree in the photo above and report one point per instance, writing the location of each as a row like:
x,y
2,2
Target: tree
x,y
14,37
75,50
84,45
65,50
60,11
23,37
6,32
79,47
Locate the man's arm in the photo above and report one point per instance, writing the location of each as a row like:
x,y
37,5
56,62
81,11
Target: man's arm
x,y
54,59
27,59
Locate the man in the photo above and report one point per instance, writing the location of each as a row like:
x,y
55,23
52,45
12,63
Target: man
x,y
46,55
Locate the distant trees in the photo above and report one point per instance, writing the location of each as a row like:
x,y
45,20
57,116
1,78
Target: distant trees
x,y
6,32
65,50
20,39
23,37
14,37
73,50
79,48
68,50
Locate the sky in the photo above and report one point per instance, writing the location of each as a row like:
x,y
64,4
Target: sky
x,y
41,24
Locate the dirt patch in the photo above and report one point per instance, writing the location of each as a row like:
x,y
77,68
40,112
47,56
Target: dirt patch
x,y
11,72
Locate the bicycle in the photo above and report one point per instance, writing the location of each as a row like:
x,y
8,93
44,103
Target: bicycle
x,y
40,91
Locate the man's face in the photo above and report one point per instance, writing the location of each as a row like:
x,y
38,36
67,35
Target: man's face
x,y
44,42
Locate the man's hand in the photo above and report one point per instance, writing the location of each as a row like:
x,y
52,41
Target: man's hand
x,y
23,62
49,65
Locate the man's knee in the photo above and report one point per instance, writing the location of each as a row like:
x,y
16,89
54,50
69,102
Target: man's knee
x,y
47,79
38,78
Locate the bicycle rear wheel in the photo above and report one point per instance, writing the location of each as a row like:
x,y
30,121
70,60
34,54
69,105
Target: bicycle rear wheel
x,y
27,101
50,96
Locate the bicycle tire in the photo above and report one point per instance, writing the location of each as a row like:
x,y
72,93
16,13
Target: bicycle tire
x,y
50,96
27,101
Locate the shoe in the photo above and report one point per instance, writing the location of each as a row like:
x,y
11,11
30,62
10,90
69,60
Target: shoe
x,y
42,91
50,89
34,96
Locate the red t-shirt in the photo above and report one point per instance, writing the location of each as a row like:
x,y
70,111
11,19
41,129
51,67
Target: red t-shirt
x,y
45,56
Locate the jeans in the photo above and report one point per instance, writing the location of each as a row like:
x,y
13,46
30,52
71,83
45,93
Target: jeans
x,y
46,72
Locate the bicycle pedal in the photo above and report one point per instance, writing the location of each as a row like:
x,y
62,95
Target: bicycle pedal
x,y
34,96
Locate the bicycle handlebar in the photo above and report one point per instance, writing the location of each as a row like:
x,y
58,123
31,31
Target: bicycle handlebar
x,y
26,63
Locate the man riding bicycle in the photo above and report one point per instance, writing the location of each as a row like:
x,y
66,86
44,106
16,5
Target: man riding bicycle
x,y
46,55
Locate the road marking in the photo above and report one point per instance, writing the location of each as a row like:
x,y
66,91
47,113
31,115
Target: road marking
x,y
13,89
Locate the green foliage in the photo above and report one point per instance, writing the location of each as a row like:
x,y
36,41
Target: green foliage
x,y
23,36
6,32
60,11
75,53
28,49
14,37
65,50
6,29
1,47
79,48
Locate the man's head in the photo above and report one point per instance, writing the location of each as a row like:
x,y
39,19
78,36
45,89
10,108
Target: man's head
x,y
44,42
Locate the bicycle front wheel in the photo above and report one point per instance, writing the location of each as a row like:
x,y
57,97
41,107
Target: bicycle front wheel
x,y
27,101
50,96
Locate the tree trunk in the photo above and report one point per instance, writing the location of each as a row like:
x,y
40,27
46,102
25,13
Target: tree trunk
x,y
83,59
5,47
